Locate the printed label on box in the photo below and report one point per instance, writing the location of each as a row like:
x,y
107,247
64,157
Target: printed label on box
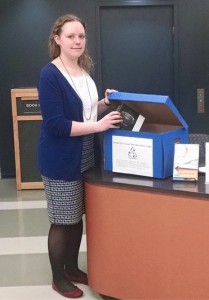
x,y
132,155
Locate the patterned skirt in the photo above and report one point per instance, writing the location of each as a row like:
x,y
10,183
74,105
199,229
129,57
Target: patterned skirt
x,y
65,199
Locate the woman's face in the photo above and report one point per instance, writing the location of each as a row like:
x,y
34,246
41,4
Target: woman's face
x,y
72,40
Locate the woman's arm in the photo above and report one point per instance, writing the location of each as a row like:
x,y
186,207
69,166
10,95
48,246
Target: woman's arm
x,y
104,103
110,120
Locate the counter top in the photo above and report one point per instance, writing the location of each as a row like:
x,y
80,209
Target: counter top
x,y
192,188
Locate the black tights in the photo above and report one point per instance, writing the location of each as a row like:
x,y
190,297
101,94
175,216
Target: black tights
x,y
63,246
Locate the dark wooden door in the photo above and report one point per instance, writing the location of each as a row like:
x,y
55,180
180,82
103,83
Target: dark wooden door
x,y
137,50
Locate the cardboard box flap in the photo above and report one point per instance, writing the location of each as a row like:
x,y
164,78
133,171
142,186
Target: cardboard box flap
x,y
157,109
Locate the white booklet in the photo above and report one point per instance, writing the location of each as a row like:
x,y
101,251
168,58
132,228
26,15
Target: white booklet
x,y
186,162
139,123
207,163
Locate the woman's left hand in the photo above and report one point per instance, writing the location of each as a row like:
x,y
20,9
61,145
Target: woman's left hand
x,y
107,92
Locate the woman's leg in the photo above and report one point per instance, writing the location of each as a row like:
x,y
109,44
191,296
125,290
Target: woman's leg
x,y
58,249
74,241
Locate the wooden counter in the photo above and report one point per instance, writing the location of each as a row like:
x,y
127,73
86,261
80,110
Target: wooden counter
x,y
147,238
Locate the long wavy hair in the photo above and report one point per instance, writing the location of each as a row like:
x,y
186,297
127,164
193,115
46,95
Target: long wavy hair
x,y
84,61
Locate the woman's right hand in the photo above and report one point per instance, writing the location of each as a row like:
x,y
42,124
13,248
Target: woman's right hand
x,y
111,120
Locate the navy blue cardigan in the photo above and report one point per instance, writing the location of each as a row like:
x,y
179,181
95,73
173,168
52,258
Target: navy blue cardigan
x,y
59,154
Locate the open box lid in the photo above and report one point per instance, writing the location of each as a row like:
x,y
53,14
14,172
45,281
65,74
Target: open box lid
x,y
157,109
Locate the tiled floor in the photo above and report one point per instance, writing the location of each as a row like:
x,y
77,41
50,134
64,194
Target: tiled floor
x,y
25,272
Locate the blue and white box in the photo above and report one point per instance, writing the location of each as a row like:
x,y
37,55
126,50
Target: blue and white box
x,y
150,151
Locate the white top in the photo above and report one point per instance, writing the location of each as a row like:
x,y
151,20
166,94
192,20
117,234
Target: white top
x,y
86,89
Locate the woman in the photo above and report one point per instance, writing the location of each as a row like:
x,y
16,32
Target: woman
x,y
69,105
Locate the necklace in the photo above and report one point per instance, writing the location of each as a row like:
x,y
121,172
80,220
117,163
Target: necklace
x,y
74,85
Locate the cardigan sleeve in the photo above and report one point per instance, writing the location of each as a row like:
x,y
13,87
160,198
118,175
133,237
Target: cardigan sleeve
x,y
51,99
